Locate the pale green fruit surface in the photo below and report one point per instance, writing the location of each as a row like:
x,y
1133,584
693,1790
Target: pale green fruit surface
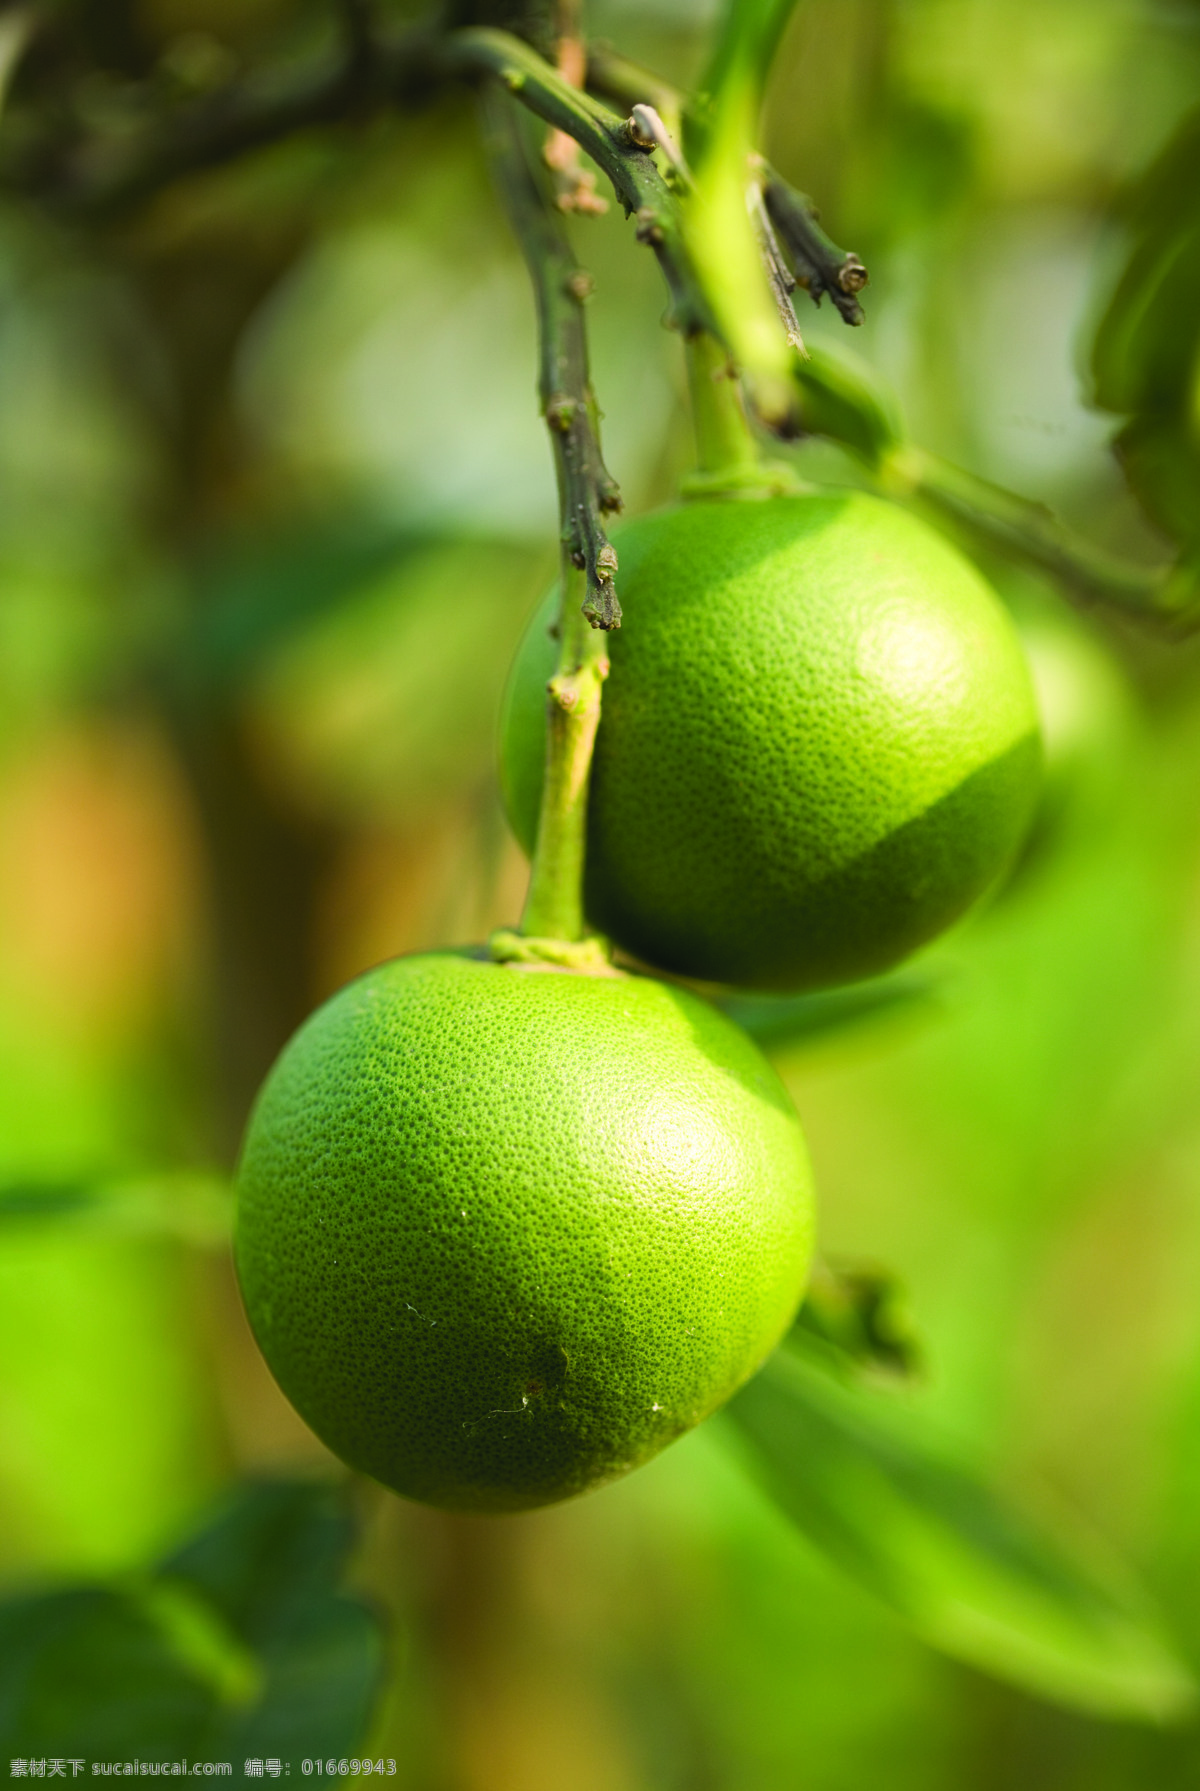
x,y
504,1233
818,744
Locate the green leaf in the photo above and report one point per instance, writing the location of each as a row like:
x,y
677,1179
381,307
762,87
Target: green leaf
x,y
975,1576
239,1642
860,1311
252,592
269,1567
89,1671
1146,354
189,1206
843,398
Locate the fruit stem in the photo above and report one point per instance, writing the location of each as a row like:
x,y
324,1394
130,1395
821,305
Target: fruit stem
x,y
553,926
554,905
729,462
724,442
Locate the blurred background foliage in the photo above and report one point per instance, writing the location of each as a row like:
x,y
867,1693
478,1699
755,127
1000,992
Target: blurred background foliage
x,y
274,504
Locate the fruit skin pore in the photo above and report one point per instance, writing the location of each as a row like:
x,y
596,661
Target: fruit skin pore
x,y
503,1233
818,744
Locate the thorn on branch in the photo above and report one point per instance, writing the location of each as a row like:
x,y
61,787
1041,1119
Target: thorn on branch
x,y
601,607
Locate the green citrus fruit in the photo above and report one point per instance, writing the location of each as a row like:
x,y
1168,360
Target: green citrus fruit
x,y
504,1232
818,744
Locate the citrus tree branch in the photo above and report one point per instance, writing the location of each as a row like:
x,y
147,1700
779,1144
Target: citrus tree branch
x,y
841,407
616,77
817,262
626,162
88,174
554,914
586,489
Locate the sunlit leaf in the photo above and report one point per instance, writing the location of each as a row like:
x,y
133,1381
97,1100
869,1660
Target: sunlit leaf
x,y
973,1574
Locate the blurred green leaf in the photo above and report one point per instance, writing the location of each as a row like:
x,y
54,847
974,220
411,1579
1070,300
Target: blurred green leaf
x,y
842,397
238,1642
861,1311
189,1206
270,1567
251,594
90,1671
385,706
974,1576
1146,354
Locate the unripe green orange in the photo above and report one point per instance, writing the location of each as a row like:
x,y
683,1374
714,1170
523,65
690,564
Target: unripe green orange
x,y
818,743
505,1232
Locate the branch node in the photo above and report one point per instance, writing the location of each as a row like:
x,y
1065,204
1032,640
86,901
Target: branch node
x,y
561,410
563,691
603,612
649,227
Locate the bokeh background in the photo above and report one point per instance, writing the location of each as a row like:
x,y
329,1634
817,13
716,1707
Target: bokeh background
x,y
275,502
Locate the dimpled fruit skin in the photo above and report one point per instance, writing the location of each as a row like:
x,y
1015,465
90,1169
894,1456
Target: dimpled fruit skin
x,y
503,1234
818,743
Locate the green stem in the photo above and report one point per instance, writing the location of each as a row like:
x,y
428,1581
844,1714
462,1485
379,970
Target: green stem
x,y
729,462
554,905
724,443
617,78
554,921
478,53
